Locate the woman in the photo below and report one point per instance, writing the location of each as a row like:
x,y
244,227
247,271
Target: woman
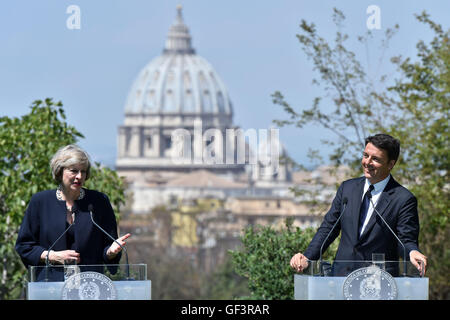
x,y
51,212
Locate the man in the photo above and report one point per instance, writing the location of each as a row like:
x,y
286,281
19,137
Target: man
x,y
363,232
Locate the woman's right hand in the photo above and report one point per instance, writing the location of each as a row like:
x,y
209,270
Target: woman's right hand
x,y
59,257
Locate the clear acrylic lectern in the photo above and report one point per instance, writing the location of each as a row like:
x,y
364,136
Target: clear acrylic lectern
x,y
89,282
360,280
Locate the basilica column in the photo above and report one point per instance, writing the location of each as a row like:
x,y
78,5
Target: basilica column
x,y
134,146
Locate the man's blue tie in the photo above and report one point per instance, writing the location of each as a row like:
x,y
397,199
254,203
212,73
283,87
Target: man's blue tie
x,y
364,208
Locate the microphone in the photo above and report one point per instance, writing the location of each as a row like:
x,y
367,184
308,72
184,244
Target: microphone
x,y
329,233
404,249
91,208
51,247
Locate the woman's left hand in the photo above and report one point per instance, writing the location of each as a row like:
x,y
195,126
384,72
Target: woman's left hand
x,y
114,249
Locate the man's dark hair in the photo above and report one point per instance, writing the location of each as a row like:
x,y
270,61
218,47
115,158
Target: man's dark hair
x,y
386,142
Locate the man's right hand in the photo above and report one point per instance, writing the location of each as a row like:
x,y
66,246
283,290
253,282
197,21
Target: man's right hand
x,y
299,262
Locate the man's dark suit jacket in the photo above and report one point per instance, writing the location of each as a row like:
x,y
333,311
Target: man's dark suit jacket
x,y
396,205
45,221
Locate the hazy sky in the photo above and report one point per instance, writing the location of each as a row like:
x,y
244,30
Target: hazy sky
x,y
251,44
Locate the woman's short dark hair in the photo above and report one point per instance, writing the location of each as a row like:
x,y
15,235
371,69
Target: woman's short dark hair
x,y
386,142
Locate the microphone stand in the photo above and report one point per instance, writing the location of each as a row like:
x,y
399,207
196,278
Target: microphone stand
x,y
404,249
328,235
51,247
127,266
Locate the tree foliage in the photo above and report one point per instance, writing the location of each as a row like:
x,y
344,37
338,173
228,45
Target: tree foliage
x,y
415,109
264,259
26,147
356,108
422,96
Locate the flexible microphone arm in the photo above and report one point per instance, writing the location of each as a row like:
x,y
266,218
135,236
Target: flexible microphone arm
x,y
404,248
51,247
127,269
329,233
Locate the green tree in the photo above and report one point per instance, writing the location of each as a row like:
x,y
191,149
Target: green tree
x,y
356,109
26,147
415,110
422,96
264,259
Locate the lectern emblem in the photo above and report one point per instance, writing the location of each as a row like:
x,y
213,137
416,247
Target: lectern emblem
x,y
88,286
370,283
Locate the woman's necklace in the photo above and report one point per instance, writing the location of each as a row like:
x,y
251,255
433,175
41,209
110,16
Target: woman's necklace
x,y
70,214
59,194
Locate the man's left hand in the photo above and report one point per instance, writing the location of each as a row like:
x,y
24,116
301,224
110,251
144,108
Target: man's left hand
x,y
418,260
